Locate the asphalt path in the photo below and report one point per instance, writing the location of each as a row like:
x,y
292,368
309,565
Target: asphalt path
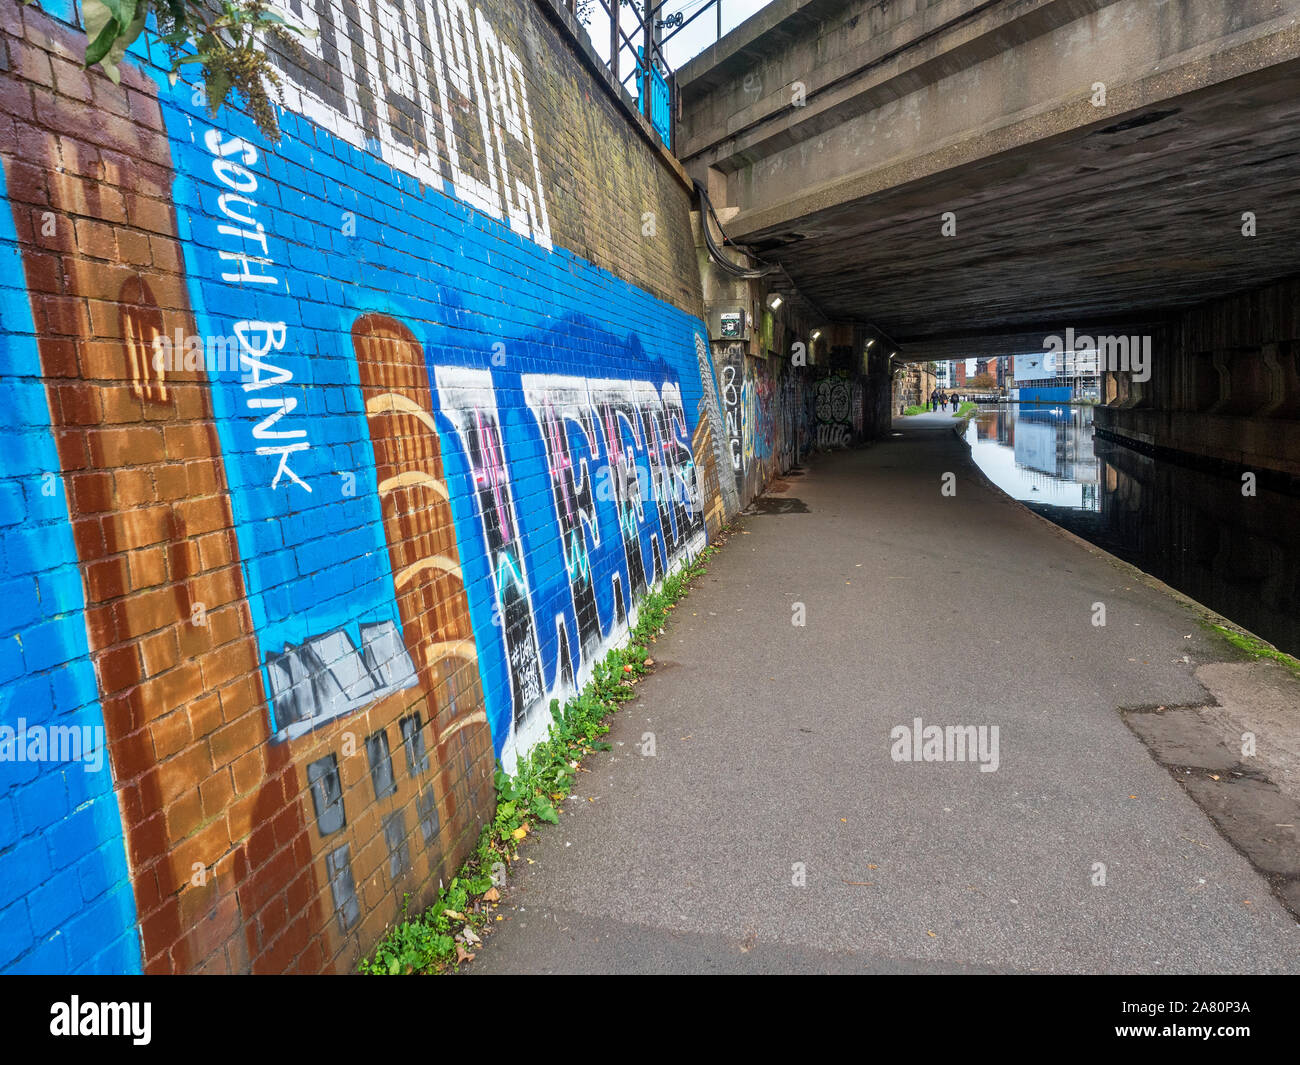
x,y
773,830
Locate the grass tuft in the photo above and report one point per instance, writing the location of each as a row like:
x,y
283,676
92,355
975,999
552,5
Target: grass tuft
x,y
1254,647
450,930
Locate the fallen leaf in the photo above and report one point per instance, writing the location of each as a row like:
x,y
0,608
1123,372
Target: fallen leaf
x,y
470,937
930,934
491,895
520,832
453,915
462,954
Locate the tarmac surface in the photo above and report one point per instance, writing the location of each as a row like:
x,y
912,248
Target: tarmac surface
x,y
772,758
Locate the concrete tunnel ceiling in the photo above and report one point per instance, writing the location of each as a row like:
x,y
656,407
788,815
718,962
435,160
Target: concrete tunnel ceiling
x,y
1111,225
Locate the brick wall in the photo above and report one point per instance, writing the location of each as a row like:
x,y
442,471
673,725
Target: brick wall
x,y
327,465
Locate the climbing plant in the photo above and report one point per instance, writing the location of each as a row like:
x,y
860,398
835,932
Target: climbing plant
x,y
224,38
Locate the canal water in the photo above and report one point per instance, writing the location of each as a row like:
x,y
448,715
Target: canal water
x,y
1191,528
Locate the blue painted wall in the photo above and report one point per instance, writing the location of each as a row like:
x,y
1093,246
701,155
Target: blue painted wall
x,y
345,236
65,895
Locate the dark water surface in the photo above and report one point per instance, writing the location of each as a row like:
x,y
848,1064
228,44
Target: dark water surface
x,y
1193,529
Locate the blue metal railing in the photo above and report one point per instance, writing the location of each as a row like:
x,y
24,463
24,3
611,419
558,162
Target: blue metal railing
x,y
653,87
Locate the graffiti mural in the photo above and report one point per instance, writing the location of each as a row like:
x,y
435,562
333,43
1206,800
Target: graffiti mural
x,y
341,467
836,412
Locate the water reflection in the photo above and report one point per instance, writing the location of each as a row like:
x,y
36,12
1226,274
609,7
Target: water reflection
x,y
1190,527
1041,455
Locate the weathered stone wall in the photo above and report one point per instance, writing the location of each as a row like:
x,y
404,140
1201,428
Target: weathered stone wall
x,y
1224,384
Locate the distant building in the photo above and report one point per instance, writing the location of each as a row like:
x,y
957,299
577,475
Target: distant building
x,y
913,385
1005,374
1045,377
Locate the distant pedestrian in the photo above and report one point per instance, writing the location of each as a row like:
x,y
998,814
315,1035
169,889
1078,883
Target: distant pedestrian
x,y
943,402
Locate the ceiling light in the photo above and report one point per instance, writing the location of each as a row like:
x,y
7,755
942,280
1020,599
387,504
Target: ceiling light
x,y
774,301
816,333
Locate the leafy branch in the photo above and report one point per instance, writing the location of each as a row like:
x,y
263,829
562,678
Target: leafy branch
x,y
223,37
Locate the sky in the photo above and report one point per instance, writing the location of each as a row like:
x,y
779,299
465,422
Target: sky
x,y
687,44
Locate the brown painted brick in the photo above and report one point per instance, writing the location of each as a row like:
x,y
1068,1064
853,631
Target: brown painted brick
x,y
74,452
166,255
119,404
45,227
59,357
260,847
31,64
226,624
247,772
159,651
134,488
205,711
231,742
176,688
148,214
134,247
44,272
282,952
96,239
110,99
63,315
80,159
139,527
181,773
118,669
92,492
184,815
226,664
157,929
15,98
125,445
101,283
71,80
170,734
145,110
147,838
203,848
172,481
216,792
148,570
106,579
185,441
